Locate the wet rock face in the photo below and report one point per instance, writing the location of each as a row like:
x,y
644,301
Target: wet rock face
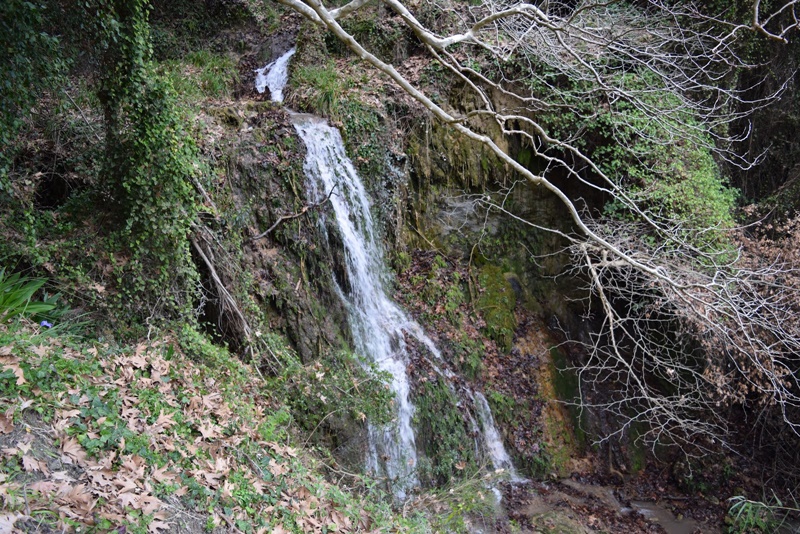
x,y
455,184
291,266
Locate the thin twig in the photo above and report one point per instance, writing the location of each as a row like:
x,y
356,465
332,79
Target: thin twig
x,y
89,124
300,213
223,292
318,424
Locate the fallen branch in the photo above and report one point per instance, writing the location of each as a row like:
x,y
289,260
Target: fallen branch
x,y
226,299
300,213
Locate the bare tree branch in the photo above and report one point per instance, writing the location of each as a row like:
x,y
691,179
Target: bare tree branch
x,y
689,319
284,218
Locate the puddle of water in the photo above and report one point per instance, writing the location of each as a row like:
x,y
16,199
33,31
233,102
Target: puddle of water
x,y
653,512
656,513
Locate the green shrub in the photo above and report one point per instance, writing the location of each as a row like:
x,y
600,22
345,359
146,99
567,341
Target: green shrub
x,y
322,87
149,166
29,63
671,176
747,516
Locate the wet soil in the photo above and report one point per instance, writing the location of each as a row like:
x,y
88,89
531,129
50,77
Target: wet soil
x,y
576,505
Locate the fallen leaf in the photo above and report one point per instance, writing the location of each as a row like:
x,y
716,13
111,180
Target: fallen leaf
x,y
6,422
7,521
73,452
17,370
29,463
155,526
61,475
209,430
163,475
44,487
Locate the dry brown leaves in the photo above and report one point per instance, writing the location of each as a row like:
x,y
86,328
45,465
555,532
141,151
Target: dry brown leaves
x,y
117,487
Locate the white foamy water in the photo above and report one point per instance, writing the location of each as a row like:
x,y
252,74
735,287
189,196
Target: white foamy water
x,y
274,76
377,323
491,437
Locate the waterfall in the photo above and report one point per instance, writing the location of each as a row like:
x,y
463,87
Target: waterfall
x,y
494,443
274,76
377,323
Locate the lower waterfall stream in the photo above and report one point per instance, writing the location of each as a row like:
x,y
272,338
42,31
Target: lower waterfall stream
x,y
377,323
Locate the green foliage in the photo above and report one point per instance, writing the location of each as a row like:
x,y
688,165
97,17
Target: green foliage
x,y
469,506
105,392
364,133
200,75
323,86
29,63
149,164
383,36
16,293
750,517
180,27
339,389
673,177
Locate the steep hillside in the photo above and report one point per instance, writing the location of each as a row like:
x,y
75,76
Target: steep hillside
x,y
169,434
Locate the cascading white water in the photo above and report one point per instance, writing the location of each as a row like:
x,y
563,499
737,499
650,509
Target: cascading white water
x,y
274,76
494,443
377,323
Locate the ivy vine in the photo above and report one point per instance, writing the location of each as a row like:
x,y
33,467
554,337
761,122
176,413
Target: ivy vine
x,y
150,162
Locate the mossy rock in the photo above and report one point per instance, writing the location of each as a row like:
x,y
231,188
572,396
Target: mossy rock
x,y
496,303
228,116
442,433
566,387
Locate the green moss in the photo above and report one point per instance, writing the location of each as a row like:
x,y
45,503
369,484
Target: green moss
x,y
228,116
637,452
566,385
496,303
468,356
525,156
442,432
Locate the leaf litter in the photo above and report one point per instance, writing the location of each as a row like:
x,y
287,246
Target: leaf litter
x,y
196,461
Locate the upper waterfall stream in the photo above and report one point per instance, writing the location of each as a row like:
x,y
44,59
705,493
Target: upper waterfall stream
x,y
377,323
274,76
